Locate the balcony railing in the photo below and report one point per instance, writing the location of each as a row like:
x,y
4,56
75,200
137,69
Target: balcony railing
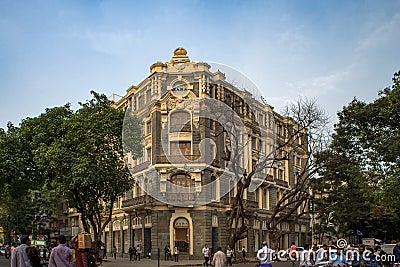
x,y
173,128
282,183
180,196
145,199
140,167
176,159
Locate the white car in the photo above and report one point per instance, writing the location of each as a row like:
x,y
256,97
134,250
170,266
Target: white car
x,y
388,248
2,251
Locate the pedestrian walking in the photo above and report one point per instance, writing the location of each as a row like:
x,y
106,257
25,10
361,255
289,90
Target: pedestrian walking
x,y
138,252
206,254
114,250
321,256
338,259
244,253
19,258
358,259
176,253
305,260
61,255
167,252
130,251
91,259
33,256
219,258
293,252
134,253
100,254
265,255
229,255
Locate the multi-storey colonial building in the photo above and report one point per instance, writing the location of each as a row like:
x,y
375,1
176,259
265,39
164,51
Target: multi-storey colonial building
x,y
155,213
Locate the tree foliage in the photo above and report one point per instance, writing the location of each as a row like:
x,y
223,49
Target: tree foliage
x,y
25,202
362,167
79,155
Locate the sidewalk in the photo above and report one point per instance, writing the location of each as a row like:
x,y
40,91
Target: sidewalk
x,y
122,262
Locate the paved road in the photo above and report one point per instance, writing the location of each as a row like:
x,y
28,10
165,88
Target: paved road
x,y
123,262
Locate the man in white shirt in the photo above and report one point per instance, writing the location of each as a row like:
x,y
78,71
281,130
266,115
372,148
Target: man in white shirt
x,y
265,255
305,260
206,254
19,257
322,256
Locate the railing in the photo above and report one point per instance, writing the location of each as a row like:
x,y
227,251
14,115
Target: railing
x,y
269,178
173,128
177,159
145,199
140,167
282,183
180,196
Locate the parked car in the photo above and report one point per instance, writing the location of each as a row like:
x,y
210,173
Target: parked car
x,y
388,248
2,251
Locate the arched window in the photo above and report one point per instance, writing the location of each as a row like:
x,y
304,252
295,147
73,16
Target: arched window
x,y
180,121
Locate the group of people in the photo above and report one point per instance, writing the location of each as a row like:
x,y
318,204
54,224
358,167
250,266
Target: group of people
x,y
362,256
168,253
26,255
134,253
218,259
61,255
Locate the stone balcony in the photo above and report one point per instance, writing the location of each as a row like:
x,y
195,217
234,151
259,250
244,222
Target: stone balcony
x,y
282,183
176,159
137,202
140,167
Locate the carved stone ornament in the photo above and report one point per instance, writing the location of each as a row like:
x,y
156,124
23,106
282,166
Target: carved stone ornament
x,y
171,104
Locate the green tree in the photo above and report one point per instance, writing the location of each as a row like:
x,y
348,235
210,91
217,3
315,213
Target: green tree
x,y
25,204
80,155
363,166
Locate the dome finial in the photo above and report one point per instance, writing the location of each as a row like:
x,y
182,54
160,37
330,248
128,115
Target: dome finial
x,y
180,55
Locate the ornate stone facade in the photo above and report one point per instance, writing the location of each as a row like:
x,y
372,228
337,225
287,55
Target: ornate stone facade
x,y
165,101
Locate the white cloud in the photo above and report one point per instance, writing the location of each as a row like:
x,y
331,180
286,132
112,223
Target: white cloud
x,y
319,85
382,33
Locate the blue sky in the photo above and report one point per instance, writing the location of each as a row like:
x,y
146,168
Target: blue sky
x,y
54,52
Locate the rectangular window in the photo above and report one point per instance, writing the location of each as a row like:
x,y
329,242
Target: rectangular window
x,y
148,153
280,175
261,119
140,102
254,143
148,127
148,96
183,148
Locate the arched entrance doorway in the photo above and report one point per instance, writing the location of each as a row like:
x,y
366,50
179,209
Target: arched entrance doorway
x,y
182,235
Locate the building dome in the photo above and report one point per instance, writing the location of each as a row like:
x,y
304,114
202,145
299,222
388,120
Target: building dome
x,y
180,55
